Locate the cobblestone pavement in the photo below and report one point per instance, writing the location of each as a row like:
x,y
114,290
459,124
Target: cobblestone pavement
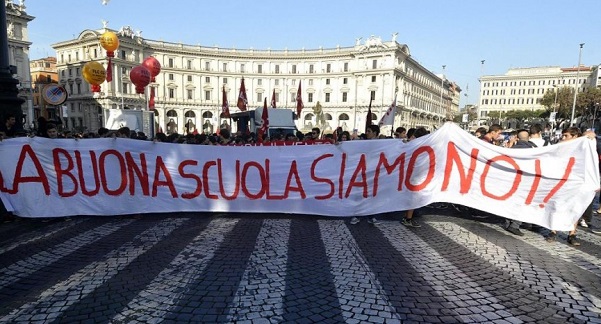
x,y
213,268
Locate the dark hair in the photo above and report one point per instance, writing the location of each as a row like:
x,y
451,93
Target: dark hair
x,y
102,131
161,137
400,130
124,131
536,128
375,129
347,134
224,133
495,128
420,131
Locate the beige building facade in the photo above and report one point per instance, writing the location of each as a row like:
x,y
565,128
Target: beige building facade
x,y
189,86
524,88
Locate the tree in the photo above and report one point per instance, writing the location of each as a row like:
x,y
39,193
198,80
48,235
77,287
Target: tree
x,y
563,96
588,100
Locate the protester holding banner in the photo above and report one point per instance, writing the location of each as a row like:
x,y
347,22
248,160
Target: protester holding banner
x,y
493,132
523,141
568,135
408,220
371,132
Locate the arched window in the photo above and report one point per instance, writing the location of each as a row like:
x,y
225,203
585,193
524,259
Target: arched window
x,y
309,118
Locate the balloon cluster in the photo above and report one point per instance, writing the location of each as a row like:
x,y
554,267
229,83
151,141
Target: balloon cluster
x,y
94,73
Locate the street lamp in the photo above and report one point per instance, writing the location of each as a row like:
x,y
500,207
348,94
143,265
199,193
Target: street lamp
x,y
594,116
441,89
576,84
481,91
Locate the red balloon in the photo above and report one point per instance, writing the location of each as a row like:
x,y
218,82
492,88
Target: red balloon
x,y
140,77
153,65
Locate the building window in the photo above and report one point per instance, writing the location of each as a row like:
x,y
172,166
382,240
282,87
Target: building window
x,y
372,95
373,78
224,80
259,81
310,97
344,96
294,68
277,82
310,82
259,97
345,81
190,94
277,97
208,79
189,64
171,77
224,67
260,68
374,64
208,95
311,68
171,93
170,63
189,78
277,69
327,81
345,67
328,68
327,97
242,68
125,87
293,97
95,53
207,66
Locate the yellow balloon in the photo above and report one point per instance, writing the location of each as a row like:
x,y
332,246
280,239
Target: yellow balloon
x,y
94,73
109,41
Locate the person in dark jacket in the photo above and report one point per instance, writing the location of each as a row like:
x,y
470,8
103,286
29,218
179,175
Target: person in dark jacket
x,y
523,141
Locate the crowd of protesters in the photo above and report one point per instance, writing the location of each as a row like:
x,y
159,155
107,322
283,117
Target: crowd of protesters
x,y
534,136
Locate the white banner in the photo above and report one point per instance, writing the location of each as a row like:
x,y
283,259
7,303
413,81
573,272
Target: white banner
x,y
549,186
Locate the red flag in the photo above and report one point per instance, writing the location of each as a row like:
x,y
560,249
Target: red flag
x,y
151,100
264,122
109,71
273,99
225,107
242,100
299,101
368,117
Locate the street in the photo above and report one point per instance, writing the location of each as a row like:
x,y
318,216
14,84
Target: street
x,y
248,268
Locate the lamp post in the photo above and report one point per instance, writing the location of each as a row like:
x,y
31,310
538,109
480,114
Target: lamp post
x,y
481,91
594,116
576,84
441,90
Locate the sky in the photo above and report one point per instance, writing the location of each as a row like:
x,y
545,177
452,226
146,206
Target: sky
x,y
457,34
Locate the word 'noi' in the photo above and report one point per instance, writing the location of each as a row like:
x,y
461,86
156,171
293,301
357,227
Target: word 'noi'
x,y
74,175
